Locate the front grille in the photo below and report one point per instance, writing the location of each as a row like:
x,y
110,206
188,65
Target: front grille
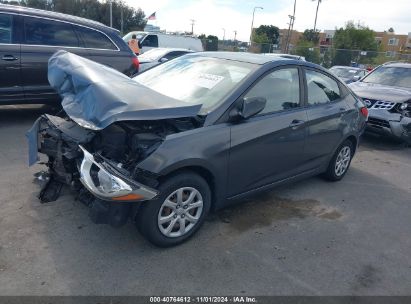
x,y
379,104
383,105
378,123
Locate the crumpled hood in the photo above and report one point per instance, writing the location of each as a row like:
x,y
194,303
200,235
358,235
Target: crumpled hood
x,y
380,92
95,96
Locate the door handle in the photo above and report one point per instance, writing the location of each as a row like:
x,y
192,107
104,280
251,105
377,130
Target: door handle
x,y
9,58
296,123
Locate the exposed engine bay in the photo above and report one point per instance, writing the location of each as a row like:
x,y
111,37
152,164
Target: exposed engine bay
x,y
102,166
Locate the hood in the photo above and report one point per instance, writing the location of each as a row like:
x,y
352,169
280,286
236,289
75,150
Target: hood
x,y
95,96
380,92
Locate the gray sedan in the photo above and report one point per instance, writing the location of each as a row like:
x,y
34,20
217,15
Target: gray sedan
x,y
193,135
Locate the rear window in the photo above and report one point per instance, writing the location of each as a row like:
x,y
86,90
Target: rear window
x,y
94,40
39,31
5,28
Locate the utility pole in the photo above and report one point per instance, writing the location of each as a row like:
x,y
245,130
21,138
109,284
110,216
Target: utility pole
x,y
290,28
223,34
192,26
111,13
122,19
235,36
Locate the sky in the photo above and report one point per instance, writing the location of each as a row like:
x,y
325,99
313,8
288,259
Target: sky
x,y
212,16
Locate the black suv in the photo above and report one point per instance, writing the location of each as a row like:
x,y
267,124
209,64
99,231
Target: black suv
x,y
28,38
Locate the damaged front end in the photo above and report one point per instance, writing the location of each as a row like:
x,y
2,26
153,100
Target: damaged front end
x,y
391,119
100,166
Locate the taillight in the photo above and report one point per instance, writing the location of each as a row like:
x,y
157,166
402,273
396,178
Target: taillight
x,y
364,111
135,61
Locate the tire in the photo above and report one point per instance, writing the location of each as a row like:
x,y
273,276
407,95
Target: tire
x,y
335,172
155,217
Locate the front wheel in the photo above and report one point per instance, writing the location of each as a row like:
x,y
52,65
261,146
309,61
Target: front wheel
x,y
178,212
340,162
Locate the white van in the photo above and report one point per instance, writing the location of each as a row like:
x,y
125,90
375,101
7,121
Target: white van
x,y
154,40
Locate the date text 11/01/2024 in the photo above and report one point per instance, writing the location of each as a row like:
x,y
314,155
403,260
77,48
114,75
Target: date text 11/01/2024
x,y
203,299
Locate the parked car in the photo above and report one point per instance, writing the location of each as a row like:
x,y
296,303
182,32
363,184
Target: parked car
x,y
149,41
289,56
387,93
348,74
191,135
154,57
28,38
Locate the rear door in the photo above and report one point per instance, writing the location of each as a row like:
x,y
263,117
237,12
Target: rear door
x,y
11,90
269,147
327,116
102,49
42,37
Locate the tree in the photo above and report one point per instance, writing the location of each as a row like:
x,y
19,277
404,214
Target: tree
x,y
133,19
308,50
350,41
391,30
316,13
270,31
311,35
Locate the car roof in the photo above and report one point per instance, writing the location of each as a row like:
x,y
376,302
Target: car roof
x,y
49,14
172,49
247,57
398,65
346,67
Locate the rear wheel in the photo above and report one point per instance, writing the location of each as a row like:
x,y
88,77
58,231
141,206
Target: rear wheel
x,y
340,162
178,212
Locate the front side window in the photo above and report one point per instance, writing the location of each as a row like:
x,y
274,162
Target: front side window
x,y
94,40
39,31
321,88
197,79
6,30
280,88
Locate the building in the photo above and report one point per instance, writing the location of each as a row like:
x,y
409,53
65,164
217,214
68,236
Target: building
x,y
392,44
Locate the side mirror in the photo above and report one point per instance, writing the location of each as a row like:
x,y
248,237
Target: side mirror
x,y
163,60
356,78
249,107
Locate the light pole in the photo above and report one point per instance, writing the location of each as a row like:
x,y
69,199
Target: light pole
x,y
252,22
223,34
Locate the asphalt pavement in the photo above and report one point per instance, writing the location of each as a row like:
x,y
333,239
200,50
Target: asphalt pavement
x,y
310,238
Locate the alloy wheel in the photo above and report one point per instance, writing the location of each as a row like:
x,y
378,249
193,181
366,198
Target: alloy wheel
x,y
343,161
180,212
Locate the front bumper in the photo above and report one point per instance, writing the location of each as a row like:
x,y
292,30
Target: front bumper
x,y
389,124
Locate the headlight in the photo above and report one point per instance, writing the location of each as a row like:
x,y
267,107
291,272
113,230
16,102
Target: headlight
x,y
404,106
108,186
111,184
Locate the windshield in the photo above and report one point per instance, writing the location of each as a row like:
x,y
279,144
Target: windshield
x,y
197,79
139,36
390,76
152,55
345,73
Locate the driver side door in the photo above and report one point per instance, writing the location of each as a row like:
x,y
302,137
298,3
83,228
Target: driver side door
x,y
269,147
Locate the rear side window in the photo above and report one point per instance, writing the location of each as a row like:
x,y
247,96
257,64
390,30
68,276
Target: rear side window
x,y
280,88
6,30
150,41
94,40
321,88
39,31
175,54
